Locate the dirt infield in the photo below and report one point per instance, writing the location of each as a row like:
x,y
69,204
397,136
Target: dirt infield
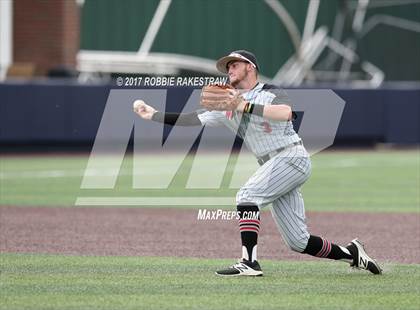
x,y
390,237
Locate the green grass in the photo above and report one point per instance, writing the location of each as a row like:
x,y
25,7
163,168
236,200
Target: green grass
x,y
341,181
76,282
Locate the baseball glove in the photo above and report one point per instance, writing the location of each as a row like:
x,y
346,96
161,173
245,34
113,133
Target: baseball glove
x,y
220,97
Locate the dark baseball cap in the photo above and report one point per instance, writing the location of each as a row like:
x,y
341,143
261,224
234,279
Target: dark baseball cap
x,y
240,55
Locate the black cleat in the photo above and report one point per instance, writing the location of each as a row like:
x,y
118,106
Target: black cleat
x,y
242,268
360,259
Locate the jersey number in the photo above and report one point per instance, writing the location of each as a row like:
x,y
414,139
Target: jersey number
x,y
267,127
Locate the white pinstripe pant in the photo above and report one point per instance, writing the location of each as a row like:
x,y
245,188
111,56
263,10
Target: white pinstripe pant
x,y
278,182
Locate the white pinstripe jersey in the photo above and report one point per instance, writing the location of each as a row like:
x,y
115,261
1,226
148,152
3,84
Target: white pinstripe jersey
x,y
260,135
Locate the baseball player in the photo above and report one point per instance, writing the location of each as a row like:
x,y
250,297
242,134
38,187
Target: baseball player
x,y
263,120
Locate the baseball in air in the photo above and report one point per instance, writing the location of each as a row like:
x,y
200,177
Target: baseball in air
x,y
137,104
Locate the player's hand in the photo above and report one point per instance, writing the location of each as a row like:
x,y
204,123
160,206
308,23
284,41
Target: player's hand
x,y
144,110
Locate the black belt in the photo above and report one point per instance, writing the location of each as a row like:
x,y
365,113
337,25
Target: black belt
x,y
263,159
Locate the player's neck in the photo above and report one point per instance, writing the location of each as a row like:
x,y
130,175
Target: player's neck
x,y
247,84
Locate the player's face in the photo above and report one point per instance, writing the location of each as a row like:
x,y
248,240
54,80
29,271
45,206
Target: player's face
x,y
238,71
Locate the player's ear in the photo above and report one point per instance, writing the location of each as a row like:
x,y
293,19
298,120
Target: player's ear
x,y
249,67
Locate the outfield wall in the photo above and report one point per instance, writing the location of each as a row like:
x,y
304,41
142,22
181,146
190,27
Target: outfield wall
x,y
51,113
189,28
